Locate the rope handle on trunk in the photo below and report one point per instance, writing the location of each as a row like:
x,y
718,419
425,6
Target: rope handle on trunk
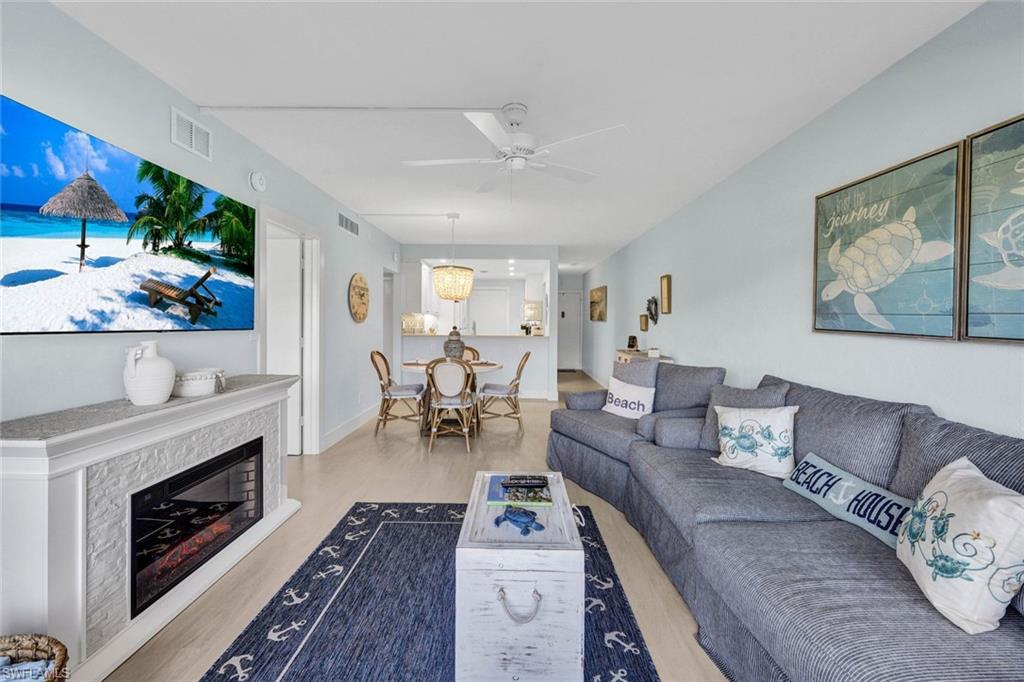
x,y
521,620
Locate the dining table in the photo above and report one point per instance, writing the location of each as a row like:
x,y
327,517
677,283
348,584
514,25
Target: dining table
x,y
419,366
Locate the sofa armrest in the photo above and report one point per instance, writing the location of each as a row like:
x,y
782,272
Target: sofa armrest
x,y
586,400
678,433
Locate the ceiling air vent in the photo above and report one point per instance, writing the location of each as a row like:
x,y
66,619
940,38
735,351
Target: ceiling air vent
x,y
188,133
347,224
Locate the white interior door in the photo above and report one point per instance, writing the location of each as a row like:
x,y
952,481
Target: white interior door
x,y
570,331
284,321
488,308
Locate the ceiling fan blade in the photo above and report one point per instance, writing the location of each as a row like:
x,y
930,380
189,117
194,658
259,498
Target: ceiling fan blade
x,y
564,172
579,137
488,184
488,124
449,162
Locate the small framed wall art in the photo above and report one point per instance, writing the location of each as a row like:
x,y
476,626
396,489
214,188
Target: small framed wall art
x,y
886,250
993,277
666,294
644,322
599,304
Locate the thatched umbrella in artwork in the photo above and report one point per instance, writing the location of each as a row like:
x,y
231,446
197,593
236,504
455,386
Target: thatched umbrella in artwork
x,y
83,198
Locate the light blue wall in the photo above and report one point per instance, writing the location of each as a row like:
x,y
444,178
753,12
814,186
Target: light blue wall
x,y
53,64
741,255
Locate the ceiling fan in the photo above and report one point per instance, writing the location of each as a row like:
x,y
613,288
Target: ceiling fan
x,y
515,150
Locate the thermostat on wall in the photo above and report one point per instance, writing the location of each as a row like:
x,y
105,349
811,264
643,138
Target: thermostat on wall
x,y
258,181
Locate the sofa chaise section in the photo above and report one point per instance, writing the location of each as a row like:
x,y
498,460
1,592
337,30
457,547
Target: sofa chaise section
x,y
833,604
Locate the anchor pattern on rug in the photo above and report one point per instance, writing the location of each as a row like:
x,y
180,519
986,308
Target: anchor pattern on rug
x,y
615,648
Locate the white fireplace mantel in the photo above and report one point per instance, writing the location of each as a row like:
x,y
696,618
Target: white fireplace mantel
x,y
65,478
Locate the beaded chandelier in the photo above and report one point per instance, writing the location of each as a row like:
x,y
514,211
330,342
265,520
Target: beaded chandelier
x,y
453,282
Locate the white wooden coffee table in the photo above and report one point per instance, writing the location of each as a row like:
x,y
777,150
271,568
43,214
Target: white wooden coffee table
x,y
519,598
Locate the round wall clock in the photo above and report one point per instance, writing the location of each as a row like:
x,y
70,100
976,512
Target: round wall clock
x,y
358,297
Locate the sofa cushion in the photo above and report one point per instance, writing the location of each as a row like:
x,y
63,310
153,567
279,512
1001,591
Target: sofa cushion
x,y
641,372
679,432
603,431
830,603
728,396
858,435
682,386
645,426
693,489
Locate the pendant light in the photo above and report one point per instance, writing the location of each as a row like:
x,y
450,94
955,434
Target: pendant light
x,y
453,282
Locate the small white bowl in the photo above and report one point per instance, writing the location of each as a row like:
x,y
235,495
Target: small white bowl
x,y
197,382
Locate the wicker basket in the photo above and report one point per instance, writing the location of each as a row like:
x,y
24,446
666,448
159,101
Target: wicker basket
x,y
25,648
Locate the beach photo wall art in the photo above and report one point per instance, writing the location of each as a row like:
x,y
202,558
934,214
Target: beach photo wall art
x,y
994,234
886,250
95,239
599,304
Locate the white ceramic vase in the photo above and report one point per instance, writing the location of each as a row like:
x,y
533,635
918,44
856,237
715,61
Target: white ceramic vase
x,y
148,377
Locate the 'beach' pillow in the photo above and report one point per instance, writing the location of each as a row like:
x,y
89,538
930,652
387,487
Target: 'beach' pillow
x,y
757,439
628,400
963,542
849,498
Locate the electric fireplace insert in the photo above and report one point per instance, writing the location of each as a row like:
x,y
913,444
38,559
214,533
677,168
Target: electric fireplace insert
x,y
179,523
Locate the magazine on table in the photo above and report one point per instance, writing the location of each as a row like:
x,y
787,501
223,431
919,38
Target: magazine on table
x,y
497,495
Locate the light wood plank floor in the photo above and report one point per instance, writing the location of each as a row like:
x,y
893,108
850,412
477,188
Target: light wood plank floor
x,y
395,467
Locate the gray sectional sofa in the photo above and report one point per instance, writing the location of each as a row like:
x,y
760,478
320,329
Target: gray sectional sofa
x,y
780,589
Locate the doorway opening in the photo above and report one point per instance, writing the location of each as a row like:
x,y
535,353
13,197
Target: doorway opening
x,y
570,330
290,284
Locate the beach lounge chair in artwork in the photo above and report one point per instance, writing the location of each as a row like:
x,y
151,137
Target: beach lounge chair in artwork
x,y
197,303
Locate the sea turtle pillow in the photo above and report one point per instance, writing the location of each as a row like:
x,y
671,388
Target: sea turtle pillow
x,y
963,542
757,439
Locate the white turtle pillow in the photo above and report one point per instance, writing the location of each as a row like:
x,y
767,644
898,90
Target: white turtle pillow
x,y
963,542
874,261
757,439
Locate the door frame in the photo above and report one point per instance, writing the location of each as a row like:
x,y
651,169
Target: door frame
x,y
579,335
311,315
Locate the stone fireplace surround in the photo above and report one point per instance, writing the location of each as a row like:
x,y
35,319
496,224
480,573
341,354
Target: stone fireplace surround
x,y
65,483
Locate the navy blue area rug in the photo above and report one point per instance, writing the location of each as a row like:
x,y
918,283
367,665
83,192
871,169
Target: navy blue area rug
x,y
376,602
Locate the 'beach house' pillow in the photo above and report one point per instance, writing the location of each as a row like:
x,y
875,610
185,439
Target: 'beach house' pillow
x,y
963,542
759,440
849,498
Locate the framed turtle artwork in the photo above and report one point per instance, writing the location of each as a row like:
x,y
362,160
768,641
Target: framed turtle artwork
x,y
886,250
993,278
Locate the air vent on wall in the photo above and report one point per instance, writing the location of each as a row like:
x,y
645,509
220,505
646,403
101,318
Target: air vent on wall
x,y
347,224
188,133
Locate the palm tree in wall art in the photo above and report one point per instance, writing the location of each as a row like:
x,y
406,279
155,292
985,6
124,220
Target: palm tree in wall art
x,y
149,230
169,211
232,222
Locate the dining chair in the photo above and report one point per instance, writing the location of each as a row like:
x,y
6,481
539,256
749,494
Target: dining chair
x,y
391,394
470,354
509,393
448,381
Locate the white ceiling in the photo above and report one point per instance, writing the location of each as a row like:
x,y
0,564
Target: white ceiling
x,y
703,88
492,268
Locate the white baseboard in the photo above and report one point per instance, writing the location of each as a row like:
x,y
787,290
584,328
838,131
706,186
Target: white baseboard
x,y
338,432
141,629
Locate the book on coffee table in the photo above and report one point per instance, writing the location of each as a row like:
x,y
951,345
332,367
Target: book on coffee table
x,y
497,495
